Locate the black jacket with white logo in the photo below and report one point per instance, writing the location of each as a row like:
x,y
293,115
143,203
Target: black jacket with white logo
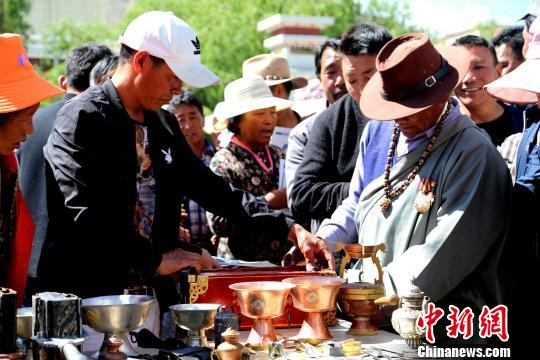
x,y
91,170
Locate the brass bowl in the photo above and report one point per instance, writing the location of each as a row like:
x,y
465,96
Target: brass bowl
x,y
24,322
115,315
196,318
262,299
314,293
358,301
361,251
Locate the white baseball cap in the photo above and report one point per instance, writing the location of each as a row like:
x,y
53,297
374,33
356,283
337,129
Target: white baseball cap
x,y
168,37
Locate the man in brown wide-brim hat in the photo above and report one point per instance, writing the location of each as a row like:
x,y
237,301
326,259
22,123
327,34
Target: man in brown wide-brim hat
x,y
428,183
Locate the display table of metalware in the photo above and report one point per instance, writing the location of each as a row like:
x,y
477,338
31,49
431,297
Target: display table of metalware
x,y
384,345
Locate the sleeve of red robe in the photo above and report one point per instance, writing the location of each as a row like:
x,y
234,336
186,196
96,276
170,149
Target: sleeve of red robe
x,y
21,246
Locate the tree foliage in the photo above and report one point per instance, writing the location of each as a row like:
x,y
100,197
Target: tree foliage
x,y
227,29
13,14
393,15
63,36
487,29
228,32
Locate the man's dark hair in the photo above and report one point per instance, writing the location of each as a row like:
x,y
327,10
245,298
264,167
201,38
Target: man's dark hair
x,y
186,97
513,38
364,39
469,41
80,62
529,19
332,43
126,53
103,69
287,85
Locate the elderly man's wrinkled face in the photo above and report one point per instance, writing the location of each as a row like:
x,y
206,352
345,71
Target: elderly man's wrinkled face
x,y
157,85
357,70
507,59
15,128
191,123
415,124
331,75
482,71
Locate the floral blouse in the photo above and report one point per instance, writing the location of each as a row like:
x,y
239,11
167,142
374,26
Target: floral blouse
x,y
241,169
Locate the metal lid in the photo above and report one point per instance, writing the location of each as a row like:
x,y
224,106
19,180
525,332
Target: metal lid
x,y
230,332
414,291
224,313
363,288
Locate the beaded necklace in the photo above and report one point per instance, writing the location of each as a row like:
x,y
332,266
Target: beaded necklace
x,y
269,168
390,193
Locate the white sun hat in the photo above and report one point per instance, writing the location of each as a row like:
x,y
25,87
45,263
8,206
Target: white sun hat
x,y
244,95
168,37
522,84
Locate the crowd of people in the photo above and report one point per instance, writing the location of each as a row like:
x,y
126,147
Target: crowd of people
x,y
430,150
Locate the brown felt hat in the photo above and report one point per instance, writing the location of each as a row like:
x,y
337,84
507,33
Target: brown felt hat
x,y
411,76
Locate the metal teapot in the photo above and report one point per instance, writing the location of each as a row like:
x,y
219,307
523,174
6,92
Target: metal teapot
x,y
230,349
412,305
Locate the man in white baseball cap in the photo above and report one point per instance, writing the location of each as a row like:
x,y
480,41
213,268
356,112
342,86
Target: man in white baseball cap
x,y
163,35
118,164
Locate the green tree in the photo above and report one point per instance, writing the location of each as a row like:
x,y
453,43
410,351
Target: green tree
x,y
393,15
59,38
13,15
228,29
487,29
228,32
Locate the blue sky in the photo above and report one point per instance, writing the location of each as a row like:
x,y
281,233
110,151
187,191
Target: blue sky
x,y
450,16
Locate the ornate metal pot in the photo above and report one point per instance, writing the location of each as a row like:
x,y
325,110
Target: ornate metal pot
x,y
411,306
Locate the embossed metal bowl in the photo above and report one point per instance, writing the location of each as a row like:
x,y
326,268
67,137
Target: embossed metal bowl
x,y
196,318
24,322
116,315
315,293
358,301
262,299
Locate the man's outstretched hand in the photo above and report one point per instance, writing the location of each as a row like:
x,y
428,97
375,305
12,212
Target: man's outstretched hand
x,y
314,250
178,259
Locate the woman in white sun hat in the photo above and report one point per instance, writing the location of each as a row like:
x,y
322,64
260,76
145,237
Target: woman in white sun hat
x,y
249,162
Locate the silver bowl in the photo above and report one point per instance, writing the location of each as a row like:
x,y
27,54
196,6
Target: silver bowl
x,y
116,315
24,323
196,318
